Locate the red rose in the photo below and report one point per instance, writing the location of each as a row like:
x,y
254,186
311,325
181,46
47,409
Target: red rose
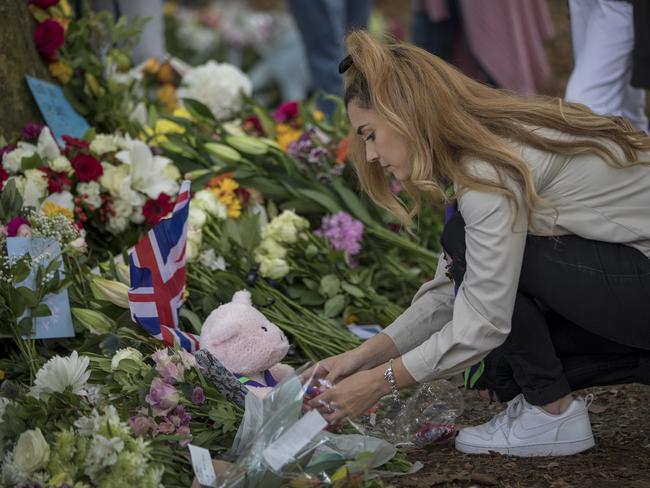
x,y
155,210
4,176
286,112
43,3
49,36
57,181
71,142
86,167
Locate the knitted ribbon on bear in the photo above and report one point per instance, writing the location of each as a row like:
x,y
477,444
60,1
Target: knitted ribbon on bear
x,y
268,379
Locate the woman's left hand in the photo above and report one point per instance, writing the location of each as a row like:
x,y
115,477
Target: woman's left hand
x,y
352,396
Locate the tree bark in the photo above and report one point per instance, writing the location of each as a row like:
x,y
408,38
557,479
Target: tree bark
x,y
18,57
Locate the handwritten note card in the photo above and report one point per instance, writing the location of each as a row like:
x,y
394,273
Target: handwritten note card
x,y
59,324
59,115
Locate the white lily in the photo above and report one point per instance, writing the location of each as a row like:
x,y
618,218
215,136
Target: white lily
x,y
47,147
147,171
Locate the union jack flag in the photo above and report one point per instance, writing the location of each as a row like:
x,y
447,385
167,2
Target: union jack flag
x,y
158,276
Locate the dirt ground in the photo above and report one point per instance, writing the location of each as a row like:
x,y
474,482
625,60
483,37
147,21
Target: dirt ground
x,y
620,459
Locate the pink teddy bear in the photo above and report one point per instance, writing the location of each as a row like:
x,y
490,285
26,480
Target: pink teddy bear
x,y
247,344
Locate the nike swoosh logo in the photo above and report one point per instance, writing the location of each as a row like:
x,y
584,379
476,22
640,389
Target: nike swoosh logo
x,y
522,433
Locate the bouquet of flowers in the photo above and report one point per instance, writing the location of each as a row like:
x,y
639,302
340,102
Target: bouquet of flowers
x,y
110,185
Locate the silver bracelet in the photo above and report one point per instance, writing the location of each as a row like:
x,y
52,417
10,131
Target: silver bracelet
x,y
390,378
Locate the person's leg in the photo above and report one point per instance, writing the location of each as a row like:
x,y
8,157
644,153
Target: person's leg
x,y
435,37
357,14
603,61
321,26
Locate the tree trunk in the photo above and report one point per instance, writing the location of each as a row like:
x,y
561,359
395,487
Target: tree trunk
x,y
18,57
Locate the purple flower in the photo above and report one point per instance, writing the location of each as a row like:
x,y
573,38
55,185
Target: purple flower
x,y
316,154
343,232
162,397
141,425
179,417
198,397
31,131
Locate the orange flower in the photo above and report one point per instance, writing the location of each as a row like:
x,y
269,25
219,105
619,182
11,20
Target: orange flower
x,y
151,66
166,73
217,179
342,151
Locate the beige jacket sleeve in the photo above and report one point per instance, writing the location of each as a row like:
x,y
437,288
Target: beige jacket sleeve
x,y
438,340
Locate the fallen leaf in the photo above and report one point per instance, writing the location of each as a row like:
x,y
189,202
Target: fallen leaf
x,y
598,406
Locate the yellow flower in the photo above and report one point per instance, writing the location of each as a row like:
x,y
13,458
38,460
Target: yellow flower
x,y
61,71
50,209
66,8
151,66
167,96
318,115
285,135
234,209
2,375
228,185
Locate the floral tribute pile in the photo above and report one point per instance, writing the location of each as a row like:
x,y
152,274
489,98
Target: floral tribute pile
x,y
275,209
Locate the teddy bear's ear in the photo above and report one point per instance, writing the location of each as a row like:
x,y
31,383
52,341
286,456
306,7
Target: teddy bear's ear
x,y
243,297
223,331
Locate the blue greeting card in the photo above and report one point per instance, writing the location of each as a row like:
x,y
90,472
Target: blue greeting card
x,y
59,324
59,115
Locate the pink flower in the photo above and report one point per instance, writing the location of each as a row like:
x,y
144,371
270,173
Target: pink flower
x,y
165,427
31,131
15,225
286,112
198,396
184,431
171,372
141,425
343,232
162,397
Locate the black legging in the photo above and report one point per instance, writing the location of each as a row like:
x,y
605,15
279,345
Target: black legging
x,y
581,317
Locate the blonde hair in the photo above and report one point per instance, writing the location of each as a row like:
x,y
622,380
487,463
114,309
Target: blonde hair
x,y
447,117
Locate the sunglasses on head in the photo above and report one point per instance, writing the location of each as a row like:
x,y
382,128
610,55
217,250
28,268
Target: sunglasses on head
x,y
345,64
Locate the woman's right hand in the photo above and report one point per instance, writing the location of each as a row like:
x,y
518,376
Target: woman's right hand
x,y
335,368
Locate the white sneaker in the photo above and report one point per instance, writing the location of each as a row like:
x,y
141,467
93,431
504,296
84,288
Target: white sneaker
x,y
523,429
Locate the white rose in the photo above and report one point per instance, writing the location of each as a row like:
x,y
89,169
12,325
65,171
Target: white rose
x,y
210,260
137,217
60,164
197,217
90,193
126,353
113,177
280,231
103,143
117,224
31,452
218,86
12,160
35,187
269,248
194,238
274,268
208,201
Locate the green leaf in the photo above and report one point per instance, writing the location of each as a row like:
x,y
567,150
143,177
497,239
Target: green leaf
x,y
353,202
309,297
41,310
20,271
192,318
25,326
334,306
29,297
355,291
322,199
198,110
330,285
31,162
310,284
